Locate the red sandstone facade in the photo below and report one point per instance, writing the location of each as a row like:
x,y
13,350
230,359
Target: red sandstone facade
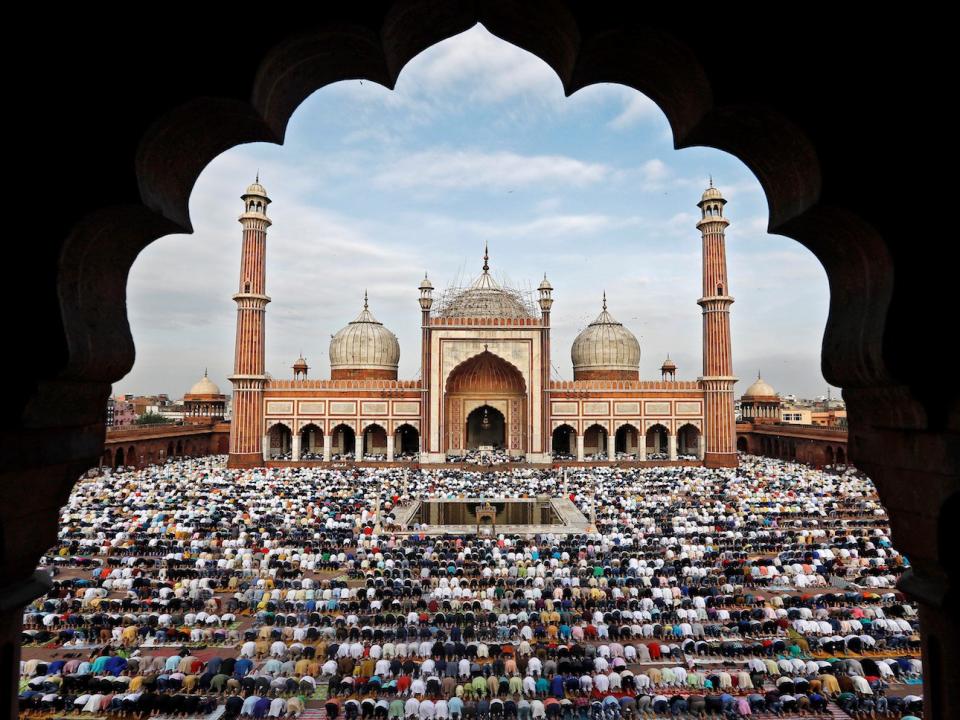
x,y
486,378
138,447
810,444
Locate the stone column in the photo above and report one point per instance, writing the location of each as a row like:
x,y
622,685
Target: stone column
x,y
700,445
672,446
580,448
641,446
327,447
295,450
611,446
266,446
389,447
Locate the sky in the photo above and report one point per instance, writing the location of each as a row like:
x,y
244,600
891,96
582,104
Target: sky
x,y
373,188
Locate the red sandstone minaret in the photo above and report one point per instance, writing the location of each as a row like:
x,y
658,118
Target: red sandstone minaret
x,y
426,302
546,303
717,380
246,428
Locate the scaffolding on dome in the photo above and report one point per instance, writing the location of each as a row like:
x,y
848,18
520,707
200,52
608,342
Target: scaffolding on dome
x,y
485,297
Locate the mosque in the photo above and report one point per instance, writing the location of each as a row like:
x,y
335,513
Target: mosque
x,y
485,378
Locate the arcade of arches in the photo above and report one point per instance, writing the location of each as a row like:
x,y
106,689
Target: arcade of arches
x,y
813,445
142,446
625,443
811,141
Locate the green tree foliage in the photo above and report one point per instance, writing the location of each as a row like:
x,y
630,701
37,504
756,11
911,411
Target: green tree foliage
x,y
149,418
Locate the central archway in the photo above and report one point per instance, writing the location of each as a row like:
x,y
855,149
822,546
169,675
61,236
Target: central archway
x,y
489,384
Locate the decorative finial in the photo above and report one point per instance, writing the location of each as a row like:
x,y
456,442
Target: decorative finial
x,y
365,305
258,176
604,299
758,374
711,179
485,346
204,372
486,257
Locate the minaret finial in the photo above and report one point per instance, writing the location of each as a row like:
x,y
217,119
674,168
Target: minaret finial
x,y
486,257
258,176
204,372
711,179
365,304
604,299
758,374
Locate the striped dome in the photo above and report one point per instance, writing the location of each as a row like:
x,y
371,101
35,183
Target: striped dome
x,y
605,345
364,344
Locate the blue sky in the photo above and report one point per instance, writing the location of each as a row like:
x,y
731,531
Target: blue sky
x,y
477,143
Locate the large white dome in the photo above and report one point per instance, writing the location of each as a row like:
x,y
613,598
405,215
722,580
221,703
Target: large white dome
x,y
364,344
485,298
605,345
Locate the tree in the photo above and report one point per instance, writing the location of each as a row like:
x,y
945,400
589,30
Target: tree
x,y
150,418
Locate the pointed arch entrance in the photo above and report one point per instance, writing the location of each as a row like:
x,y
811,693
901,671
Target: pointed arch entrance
x,y
564,441
485,404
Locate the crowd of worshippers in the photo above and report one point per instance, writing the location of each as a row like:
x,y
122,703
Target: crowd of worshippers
x,y
684,595
346,457
488,456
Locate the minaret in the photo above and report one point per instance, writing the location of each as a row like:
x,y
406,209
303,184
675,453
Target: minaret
x,y
546,303
426,302
246,428
717,381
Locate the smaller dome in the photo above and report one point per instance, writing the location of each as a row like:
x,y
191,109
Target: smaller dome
x,y
668,364
300,363
760,389
204,386
364,344
256,188
711,193
425,284
545,285
605,345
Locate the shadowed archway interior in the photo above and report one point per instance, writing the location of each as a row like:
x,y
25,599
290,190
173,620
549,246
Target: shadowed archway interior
x,y
486,426
806,123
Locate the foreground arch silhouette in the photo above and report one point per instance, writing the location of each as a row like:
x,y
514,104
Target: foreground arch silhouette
x,y
825,128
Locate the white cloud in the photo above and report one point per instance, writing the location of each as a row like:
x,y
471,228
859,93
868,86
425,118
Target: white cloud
x,y
449,169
